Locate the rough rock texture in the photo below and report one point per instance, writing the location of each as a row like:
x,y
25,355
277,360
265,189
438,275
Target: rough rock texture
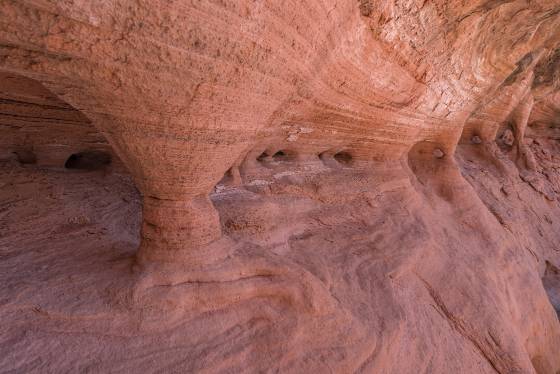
x,y
323,186
38,128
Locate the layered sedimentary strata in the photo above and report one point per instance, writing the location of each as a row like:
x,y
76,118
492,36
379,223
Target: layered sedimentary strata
x,y
38,128
333,186
206,81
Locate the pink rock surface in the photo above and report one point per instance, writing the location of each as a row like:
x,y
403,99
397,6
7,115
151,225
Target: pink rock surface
x,y
296,186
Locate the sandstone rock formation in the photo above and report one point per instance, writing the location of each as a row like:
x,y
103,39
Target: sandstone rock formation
x,y
280,186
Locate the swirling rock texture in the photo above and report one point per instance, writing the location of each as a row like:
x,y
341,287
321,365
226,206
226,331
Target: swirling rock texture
x,y
229,186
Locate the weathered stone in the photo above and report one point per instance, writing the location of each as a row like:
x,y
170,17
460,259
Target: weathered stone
x,y
279,186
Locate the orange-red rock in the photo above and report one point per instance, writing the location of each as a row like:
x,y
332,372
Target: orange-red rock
x,y
322,186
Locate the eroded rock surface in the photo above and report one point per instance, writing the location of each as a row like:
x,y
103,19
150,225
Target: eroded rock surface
x,y
310,186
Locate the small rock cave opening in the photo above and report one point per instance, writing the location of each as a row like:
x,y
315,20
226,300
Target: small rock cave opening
x,y
262,157
280,156
343,157
88,161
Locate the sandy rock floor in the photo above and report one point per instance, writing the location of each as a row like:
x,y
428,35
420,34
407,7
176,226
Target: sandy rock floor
x,y
417,275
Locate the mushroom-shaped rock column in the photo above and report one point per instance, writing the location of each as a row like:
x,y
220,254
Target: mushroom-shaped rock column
x,y
175,177
176,160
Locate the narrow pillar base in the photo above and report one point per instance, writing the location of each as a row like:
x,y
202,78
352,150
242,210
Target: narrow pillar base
x,y
179,231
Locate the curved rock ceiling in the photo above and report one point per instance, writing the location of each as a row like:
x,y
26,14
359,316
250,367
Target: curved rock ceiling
x,y
325,186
